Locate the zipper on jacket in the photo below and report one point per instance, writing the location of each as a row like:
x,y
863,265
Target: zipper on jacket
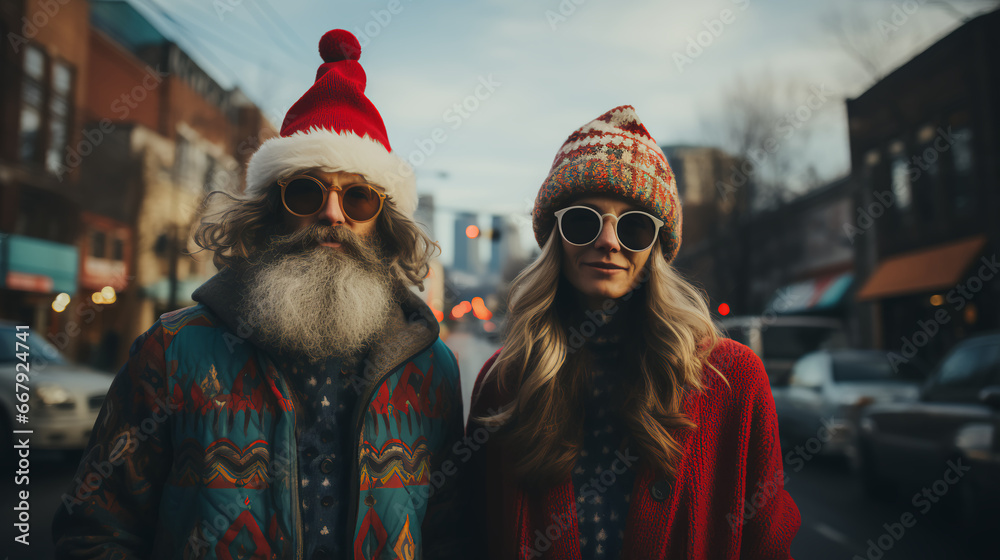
x,y
293,467
358,420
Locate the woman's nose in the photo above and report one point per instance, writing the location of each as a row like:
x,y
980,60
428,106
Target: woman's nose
x,y
607,240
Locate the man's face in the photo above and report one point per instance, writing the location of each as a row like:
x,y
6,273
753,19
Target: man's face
x,y
331,214
321,286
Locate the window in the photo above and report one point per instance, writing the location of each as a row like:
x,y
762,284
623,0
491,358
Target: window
x,y
927,172
969,365
790,342
900,173
867,366
190,164
117,249
739,334
98,242
962,170
32,95
59,116
810,371
46,109
182,158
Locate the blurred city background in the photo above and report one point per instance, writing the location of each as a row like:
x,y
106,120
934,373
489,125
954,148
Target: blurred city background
x,y
837,166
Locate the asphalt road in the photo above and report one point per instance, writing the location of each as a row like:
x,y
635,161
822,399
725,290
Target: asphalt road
x,y
838,521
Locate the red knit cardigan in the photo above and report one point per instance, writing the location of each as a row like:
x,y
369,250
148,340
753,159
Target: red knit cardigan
x,y
727,502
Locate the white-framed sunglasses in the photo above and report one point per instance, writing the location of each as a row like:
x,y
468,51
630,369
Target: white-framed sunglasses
x,y
582,225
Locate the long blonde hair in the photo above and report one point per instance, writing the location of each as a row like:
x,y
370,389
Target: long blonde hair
x,y
671,338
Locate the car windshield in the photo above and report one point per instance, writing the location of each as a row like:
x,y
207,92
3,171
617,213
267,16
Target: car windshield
x,y
787,342
40,352
863,367
739,334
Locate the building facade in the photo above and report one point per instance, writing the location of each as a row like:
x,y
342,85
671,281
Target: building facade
x,y
44,68
923,151
112,138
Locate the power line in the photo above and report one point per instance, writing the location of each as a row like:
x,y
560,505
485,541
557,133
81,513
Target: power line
x,y
231,48
183,30
276,21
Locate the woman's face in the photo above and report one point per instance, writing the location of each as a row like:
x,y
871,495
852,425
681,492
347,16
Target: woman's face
x,y
603,269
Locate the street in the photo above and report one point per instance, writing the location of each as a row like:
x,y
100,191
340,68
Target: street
x,y
471,352
838,522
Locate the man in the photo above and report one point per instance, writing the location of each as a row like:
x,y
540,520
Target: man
x,y
304,406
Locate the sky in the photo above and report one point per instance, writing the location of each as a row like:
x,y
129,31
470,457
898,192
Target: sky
x,y
507,82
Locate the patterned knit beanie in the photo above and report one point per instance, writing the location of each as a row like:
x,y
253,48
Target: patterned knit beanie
x,y
612,155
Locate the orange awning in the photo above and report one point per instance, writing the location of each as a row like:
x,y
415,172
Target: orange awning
x,y
926,270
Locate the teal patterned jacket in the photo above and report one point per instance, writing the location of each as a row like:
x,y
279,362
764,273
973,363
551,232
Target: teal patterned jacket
x,y
194,452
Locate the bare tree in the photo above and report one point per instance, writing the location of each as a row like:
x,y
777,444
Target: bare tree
x,y
857,35
876,36
756,121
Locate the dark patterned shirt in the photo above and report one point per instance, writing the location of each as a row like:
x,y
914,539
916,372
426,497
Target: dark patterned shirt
x,y
602,479
324,432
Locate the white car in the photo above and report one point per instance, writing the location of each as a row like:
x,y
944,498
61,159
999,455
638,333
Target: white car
x,y
63,398
828,389
780,340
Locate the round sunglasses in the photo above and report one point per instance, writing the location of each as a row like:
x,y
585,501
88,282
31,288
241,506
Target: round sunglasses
x,y
305,195
581,225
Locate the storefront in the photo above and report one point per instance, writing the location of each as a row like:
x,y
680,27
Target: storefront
x,y
934,297
33,272
822,295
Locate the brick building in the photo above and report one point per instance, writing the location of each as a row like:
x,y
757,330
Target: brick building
x,y
115,136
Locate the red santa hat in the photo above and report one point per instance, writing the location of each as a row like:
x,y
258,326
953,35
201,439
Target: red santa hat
x,y
334,127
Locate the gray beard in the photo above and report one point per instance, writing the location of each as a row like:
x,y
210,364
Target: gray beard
x,y
320,302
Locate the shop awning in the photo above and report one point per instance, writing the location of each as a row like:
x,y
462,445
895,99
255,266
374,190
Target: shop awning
x,y
926,270
37,265
815,294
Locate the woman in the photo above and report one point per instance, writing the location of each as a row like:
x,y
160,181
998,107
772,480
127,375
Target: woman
x,y
615,422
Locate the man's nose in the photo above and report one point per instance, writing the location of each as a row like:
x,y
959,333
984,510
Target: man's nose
x,y
607,240
331,211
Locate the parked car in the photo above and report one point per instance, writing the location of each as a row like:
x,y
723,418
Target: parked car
x,y
828,388
64,398
951,434
781,340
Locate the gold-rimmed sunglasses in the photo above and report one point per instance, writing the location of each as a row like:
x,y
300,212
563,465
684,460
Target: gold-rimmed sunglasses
x,y
305,195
